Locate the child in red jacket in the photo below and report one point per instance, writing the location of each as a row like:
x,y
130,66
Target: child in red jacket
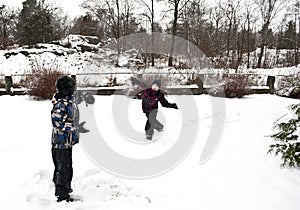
x,y
150,98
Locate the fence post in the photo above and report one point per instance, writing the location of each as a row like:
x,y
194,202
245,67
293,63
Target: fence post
x,y
270,83
140,76
8,84
73,76
199,82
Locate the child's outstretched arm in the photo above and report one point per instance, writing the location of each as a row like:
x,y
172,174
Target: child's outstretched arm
x,y
163,101
138,82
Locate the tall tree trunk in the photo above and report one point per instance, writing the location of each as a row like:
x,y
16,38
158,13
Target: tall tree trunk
x,y
248,41
241,48
263,44
174,32
298,43
118,28
5,37
152,29
297,39
228,38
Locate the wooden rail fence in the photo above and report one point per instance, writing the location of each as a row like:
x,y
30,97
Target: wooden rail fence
x,y
196,89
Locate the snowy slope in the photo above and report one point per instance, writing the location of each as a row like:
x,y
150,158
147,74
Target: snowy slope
x,y
238,176
82,55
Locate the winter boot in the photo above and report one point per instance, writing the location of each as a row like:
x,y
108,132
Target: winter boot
x,y
149,137
160,128
65,198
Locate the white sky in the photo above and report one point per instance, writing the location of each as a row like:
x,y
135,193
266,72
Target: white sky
x,y
71,7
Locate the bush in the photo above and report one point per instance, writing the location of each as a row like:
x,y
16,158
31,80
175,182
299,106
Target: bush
x,y
232,86
289,86
236,86
2,84
41,83
288,138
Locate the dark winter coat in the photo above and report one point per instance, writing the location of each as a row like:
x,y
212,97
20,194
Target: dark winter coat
x,y
63,133
150,99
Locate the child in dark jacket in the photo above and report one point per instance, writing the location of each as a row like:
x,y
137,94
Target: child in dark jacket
x,y
150,98
64,137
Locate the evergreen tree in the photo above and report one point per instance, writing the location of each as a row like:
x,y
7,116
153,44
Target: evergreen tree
x,y
88,26
35,23
7,26
289,36
288,145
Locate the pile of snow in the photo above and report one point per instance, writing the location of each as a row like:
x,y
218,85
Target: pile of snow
x,y
74,41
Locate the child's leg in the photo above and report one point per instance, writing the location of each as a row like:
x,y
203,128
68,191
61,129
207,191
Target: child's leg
x,y
154,122
53,151
64,171
148,128
159,126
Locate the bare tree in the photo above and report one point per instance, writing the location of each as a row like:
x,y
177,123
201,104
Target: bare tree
x,y
114,16
149,14
230,10
177,5
297,41
268,10
61,23
7,25
217,24
249,20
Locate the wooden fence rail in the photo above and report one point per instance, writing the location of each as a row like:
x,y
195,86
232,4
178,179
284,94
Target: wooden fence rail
x,y
196,90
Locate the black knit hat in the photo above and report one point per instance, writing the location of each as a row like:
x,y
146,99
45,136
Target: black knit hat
x,y
157,82
65,85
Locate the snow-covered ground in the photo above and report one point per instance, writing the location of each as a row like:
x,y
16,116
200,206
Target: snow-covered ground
x,y
240,175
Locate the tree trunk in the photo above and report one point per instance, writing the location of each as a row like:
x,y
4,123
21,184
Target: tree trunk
x,y
297,39
174,30
118,28
152,29
263,43
228,39
248,41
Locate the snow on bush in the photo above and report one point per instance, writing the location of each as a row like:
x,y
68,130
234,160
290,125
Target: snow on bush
x,y
289,86
230,85
237,86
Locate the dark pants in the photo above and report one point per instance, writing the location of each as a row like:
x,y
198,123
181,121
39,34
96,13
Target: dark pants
x,y
63,172
152,123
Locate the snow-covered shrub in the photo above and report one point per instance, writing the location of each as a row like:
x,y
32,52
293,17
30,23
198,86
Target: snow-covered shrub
x,y
2,84
232,86
41,83
289,86
237,86
288,145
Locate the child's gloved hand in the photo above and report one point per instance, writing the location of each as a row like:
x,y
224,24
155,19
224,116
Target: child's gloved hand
x,y
81,128
174,106
89,99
